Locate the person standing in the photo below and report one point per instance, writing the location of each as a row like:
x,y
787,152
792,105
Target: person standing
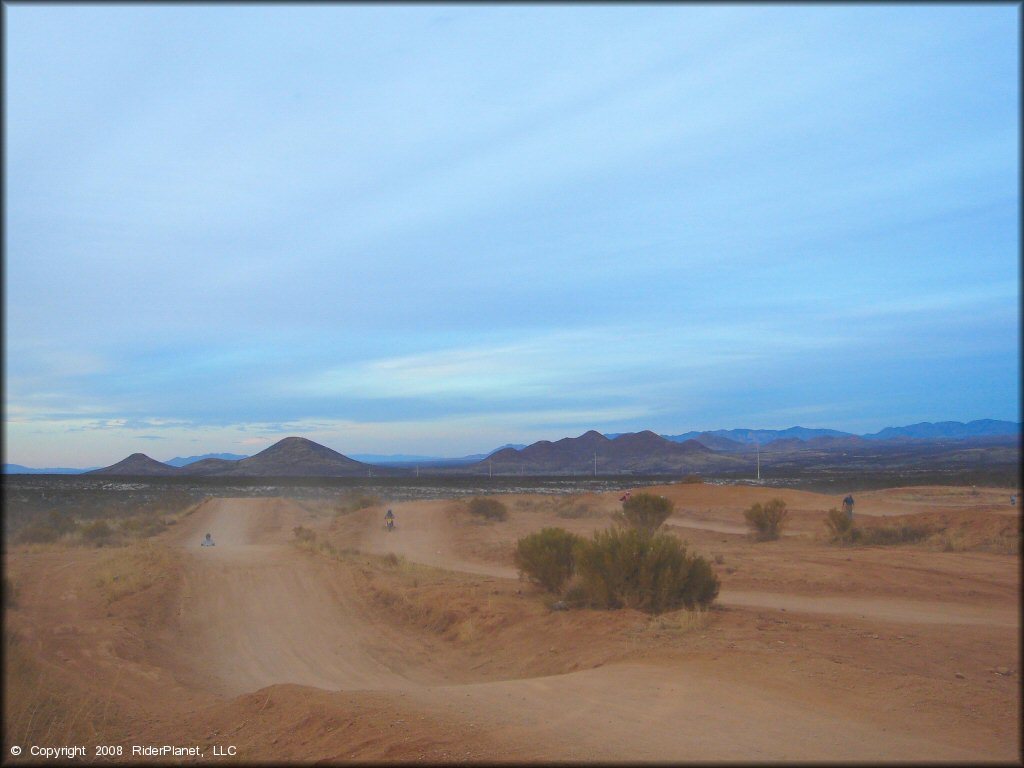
x,y
848,505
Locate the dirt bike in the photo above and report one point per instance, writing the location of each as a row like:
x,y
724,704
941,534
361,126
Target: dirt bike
x,y
389,524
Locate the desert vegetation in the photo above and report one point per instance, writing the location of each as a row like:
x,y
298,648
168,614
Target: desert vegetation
x,y
842,530
488,508
645,511
132,569
840,526
634,568
630,565
547,558
766,520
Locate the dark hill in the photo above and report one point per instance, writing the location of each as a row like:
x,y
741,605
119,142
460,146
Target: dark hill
x,y
636,453
209,467
137,464
290,457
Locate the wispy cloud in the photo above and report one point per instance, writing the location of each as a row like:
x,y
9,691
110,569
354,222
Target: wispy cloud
x,y
358,223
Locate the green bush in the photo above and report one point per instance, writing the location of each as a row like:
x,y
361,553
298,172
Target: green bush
x,y
767,519
98,532
697,479
645,511
492,509
840,526
638,569
547,557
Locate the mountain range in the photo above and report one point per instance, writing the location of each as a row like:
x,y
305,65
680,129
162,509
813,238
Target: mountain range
x,y
178,461
722,451
925,430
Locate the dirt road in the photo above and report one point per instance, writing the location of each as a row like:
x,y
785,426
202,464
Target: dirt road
x,y
298,656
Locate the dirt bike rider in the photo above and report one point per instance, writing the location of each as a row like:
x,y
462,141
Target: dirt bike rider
x,y
389,520
208,541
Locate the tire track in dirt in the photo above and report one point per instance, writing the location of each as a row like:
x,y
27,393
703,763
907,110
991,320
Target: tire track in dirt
x,y
256,612
426,537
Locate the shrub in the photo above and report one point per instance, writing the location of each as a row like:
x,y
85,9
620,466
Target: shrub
x,y
304,535
142,526
37,533
840,526
547,557
893,534
576,594
98,532
364,502
693,479
572,507
702,586
491,509
645,511
62,522
639,569
10,593
767,519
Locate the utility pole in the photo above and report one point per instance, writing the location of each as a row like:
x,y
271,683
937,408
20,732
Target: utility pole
x,y
758,447
490,472
595,464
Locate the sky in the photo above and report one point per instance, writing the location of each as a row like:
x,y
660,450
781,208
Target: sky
x,y
437,229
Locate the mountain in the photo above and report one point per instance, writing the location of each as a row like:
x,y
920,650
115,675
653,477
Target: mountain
x,y
18,469
632,452
761,436
137,464
290,457
177,461
949,430
716,442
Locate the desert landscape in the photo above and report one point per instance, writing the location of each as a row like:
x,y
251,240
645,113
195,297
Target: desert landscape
x,y
310,633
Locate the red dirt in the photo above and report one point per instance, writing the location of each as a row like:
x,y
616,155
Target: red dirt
x,y
813,651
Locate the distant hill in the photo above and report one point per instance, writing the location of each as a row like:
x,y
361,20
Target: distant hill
x,y
177,461
634,452
18,469
925,430
761,436
949,429
692,452
290,457
717,442
138,464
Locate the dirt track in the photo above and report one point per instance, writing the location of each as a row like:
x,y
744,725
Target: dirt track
x,y
894,662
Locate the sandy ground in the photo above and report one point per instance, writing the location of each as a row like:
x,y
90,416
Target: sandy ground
x,y
442,653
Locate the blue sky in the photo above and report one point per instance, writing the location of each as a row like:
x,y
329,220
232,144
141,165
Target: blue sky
x,y
437,229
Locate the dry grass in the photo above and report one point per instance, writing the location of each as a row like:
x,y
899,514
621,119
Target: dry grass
x,y
678,623
42,708
131,569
